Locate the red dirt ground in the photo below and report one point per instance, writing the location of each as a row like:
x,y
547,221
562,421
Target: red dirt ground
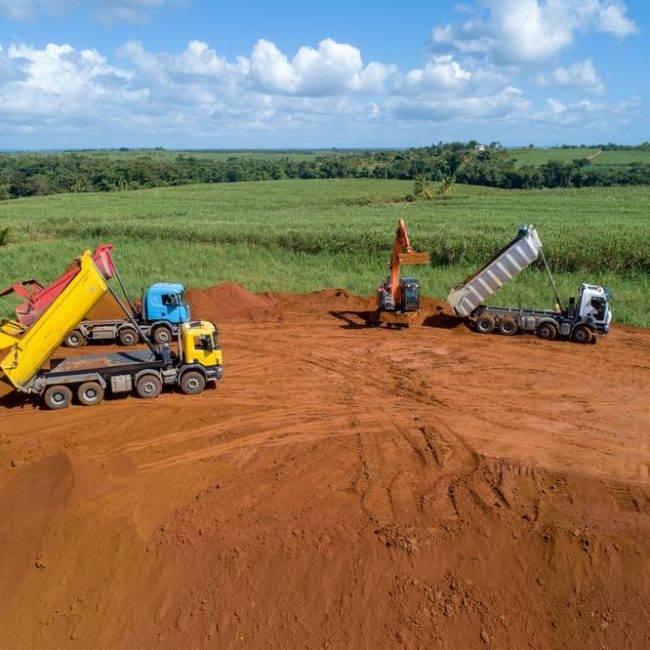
x,y
344,486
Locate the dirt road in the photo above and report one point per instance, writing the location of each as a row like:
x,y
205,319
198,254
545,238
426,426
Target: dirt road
x,y
344,486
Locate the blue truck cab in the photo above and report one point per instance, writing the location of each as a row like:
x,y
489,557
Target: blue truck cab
x,y
159,317
165,301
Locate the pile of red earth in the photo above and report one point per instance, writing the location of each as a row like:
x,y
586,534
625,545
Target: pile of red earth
x,y
332,300
105,309
232,302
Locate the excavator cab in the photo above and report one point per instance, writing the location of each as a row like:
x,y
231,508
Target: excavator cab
x,y
410,294
385,301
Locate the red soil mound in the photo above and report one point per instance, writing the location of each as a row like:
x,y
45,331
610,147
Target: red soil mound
x,y
232,302
105,309
336,299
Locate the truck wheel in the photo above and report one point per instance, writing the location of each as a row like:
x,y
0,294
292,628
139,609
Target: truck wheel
x,y
582,334
508,326
192,382
90,393
75,339
546,331
148,386
484,324
128,336
162,335
57,397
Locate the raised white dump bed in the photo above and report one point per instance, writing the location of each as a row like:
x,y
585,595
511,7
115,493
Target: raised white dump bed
x,y
522,251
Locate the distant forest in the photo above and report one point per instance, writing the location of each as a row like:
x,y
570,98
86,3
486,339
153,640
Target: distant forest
x,y
33,174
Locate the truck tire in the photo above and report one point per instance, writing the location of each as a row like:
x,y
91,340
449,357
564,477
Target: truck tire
x,y
508,326
547,331
162,335
582,334
484,324
192,382
128,336
74,340
90,393
57,397
148,386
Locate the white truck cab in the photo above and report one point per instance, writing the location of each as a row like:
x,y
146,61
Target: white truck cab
x,y
594,306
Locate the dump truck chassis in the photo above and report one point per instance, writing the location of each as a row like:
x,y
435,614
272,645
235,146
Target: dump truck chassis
x,y
545,324
123,379
113,330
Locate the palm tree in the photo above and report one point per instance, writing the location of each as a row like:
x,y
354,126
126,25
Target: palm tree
x,y
421,188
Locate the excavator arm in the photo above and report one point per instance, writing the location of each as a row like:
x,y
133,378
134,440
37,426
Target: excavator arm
x,y
403,254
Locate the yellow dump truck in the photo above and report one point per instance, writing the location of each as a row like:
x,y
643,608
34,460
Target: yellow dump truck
x,y
27,349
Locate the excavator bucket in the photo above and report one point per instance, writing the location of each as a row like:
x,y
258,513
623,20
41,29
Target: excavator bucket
x,y
414,258
393,319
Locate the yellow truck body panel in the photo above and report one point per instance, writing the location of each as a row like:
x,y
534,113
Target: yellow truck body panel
x,y
30,349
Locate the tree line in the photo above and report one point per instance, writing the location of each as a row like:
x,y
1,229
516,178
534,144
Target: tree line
x,y
34,174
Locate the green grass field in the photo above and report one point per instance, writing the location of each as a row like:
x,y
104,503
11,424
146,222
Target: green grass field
x,y
306,235
538,156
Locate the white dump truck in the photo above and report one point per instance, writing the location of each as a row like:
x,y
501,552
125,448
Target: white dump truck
x,y
586,316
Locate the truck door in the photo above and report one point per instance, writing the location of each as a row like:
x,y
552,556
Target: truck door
x,y
594,306
175,308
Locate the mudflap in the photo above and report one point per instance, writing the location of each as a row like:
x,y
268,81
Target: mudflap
x,y
395,319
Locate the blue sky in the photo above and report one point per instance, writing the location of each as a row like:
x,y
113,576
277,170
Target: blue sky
x,y
192,73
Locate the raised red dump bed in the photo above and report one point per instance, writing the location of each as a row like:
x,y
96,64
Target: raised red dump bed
x,y
39,298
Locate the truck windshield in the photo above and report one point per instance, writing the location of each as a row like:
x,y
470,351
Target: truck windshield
x,y
204,342
600,306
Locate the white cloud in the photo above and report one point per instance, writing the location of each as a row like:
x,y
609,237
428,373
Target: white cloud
x,y
584,113
612,20
199,94
131,11
581,74
104,10
332,68
58,80
507,103
530,31
271,69
442,72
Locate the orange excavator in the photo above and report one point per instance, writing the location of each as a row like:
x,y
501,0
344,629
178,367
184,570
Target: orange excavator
x,y
398,299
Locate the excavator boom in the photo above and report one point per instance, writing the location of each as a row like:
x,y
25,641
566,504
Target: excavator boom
x,y
403,255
